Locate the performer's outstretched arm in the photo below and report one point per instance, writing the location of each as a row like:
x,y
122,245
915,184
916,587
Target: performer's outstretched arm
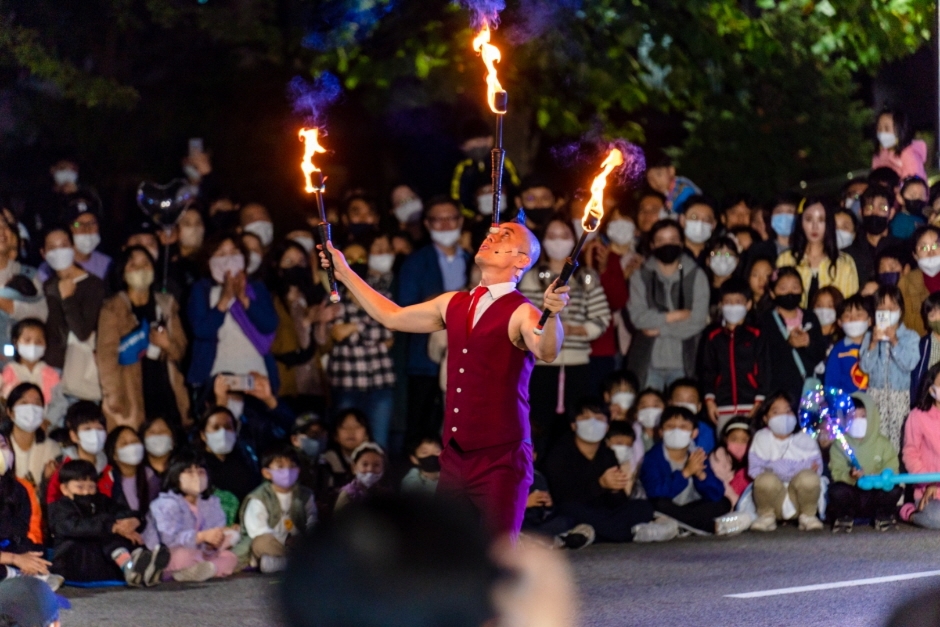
x,y
547,345
421,318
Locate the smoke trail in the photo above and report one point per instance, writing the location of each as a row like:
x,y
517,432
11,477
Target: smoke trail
x,y
483,12
311,99
533,18
589,152
340,23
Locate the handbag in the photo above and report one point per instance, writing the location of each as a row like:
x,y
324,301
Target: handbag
x,y
80,371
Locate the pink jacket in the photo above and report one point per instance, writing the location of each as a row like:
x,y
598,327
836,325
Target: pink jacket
x,y
922,444
47,379
720,461
908,163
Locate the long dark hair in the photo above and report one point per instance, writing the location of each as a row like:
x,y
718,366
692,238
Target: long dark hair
x,y
213,243
798,238
902,128
140,478
758,422
6,420
118,284
183,460
924,399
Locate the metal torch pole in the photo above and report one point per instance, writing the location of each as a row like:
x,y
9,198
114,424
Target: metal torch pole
x,y
500,103
325,236
571,263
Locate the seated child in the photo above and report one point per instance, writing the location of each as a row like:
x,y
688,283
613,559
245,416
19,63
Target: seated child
x,y
541,518
308,437
649,407
922,452
622,440
620,393
842,367
875,453
685,393
368,462
677,477
135,484
29,339
94,540
786,465
729,459
86,427
426,467
277,511
189,520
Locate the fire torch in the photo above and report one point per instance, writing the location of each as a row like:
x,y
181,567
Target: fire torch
x,y
315,184
498,100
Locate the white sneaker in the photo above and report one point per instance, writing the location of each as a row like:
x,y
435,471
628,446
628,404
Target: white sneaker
x,y
660,530
52,580
272,564
810,523
201,571
766,522
733,523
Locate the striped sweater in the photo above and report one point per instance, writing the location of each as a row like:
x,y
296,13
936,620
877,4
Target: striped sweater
x,y
587,307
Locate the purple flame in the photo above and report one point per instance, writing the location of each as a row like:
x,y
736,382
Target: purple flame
x,y
484,12
311,99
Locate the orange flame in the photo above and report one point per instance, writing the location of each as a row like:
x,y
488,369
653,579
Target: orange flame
x,y
594,210
491,55
311,147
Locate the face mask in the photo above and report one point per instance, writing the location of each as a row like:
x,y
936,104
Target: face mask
x,y
858,428
887,140
698,231
6,460
723,266
192,173
623,399
158,445
934,326
733,314
888,318
139,280
92,440
677,438
86,243
558,249
263,229
844,239
623,452
782,424
305,242
60,258
131,454
236,406
591,430
889,278
692,407
788,302
381,263
221,442
28,417
193,486
737,450
538,216
854,205
310,447
31,352
231,264
782,224
430,463
856,328
360,230
649,416
254,262
668,254
874,225
929,265
445,238
409,210
621,232
485,203
368,479
915,207
284,478
826,315
65,177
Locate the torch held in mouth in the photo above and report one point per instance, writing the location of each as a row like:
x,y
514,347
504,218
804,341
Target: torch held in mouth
x,y
498,99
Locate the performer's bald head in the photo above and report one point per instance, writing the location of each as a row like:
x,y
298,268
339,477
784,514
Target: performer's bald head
x,y
514,246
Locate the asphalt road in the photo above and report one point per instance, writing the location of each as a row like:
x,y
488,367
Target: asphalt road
x,y
681,583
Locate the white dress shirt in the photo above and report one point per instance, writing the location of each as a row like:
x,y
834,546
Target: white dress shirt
x,y
493,293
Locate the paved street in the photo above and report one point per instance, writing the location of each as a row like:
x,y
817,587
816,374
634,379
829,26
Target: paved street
x,y
678,584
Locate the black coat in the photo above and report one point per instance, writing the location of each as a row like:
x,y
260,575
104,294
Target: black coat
x,y
785,374
573,478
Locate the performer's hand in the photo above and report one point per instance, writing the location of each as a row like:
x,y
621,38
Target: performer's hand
x,y
340,266
555,301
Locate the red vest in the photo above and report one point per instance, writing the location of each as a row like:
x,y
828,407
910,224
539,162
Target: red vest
x,y
487,376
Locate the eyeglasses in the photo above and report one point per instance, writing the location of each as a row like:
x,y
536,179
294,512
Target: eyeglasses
x,y
879,209
722,253
928,248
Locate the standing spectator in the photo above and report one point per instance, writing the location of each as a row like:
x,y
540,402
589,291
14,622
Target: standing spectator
x,y
21,294
877,211
842,366
924,280
140,344
721,259
669,307
28,366
650,208
360,218
758,279
782,221
35,453
737,213
255,219
895,146
476,144
253,266
825,305
911,200
698,223
538,199
82,228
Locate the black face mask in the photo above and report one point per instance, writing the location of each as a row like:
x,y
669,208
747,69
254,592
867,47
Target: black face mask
x,y
874,225
538,216
85,502
668,253
431,463
300,278
788,302
359,231
224,220
361,269
889,278
915,207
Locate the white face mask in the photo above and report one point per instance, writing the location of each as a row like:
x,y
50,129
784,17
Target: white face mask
x,y
368,479
692,407
887,140
231,264
826,315
844,239
889,318
382,263
92,440
305,242
236,406
60,258
158,445
409,210
623,399
485,204
263,229
623,452
855,328
192,236
221,442
254,262
65,177
591,430
677,438
30,352
558,249
858,428
935,392
131,454
649,416
724,265
445,238
86,243
28,417
621,232
782,424
929,265
698,231
733,314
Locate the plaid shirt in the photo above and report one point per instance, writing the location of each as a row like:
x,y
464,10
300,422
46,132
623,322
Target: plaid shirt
x,y
361,361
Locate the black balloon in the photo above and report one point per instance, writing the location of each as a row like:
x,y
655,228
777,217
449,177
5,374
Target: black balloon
x,y
164,203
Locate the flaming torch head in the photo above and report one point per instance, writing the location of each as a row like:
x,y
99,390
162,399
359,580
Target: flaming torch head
x,y
495,94
594,210
309,136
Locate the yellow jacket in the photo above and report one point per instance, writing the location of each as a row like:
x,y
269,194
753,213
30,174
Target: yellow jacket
x,y
845,279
